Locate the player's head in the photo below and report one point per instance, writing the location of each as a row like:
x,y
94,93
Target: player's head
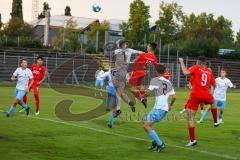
x,y
160,69
100,68
24,63
152,47
39,60
201,60
121,43
223,73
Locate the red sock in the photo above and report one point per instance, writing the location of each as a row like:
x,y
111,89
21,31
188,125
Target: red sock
x,y
137,95
191,133
25,99
37,102
142,91
214,113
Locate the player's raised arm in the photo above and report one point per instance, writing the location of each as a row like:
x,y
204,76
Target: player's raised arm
x,y
133,51
183,67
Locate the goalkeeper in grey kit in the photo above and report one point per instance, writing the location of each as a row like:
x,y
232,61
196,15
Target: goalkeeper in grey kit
x,y
122,58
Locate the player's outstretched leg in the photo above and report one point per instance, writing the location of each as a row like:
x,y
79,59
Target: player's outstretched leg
x,y
14,104
37,101
25,106
25,101
183,110
111,119
221,107
191,128
115,102
11,110
113,116
185,107
215,116
220,119
108,101
204,114
143,98
12,107
96,87
139,93
157,143
128,101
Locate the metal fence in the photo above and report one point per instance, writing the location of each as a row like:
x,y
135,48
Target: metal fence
x,y
80,69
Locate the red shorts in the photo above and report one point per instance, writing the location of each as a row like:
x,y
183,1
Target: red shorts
x,y
194,102
186,104
35,88
136,78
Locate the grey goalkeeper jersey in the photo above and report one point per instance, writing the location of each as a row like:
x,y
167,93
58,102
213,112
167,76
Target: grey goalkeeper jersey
x,y
123,56
122,59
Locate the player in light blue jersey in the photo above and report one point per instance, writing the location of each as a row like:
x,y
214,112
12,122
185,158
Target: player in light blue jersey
x,y
220,95
22,75
162,89
112,100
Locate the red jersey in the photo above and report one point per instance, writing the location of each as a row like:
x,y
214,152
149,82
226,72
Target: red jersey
x,y
202,78
167,74
143,60
38,72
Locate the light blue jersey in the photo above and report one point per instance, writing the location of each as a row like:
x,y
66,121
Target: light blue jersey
x,y
23,77
110,87
163,89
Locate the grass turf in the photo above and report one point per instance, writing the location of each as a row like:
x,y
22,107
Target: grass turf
x,y
48,137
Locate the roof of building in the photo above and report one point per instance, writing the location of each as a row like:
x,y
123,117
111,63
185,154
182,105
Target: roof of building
x,y
59,21
82,22
115,24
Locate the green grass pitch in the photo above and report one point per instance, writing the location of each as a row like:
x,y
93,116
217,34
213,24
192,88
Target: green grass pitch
x,y
48,137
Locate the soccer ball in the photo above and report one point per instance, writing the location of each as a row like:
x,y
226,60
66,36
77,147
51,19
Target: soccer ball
x,y
96,8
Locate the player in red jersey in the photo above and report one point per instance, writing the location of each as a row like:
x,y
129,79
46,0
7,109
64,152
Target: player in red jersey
x,y
202,80
39,75
139,71
189,85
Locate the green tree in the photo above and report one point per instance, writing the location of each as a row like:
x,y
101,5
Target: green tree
x,y
20,34
45,9
137,27
101,28
68,11
1,24
69,37
204,34
17,9
237,42
17,28
170,20
224,32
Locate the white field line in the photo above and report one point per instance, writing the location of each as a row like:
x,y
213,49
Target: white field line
x,y
134,138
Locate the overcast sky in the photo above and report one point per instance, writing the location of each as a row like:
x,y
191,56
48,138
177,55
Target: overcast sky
x,y
119,9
